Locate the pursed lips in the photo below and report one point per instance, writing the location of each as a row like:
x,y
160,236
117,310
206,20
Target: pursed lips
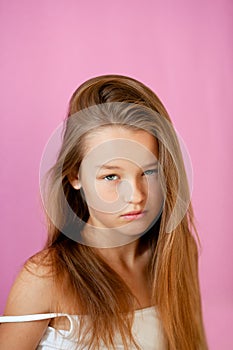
x,y
134,215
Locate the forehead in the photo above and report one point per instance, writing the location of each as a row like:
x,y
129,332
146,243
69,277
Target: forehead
x,y
111,143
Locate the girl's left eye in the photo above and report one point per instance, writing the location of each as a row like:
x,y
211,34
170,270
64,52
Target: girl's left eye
x,y
111,177
150,172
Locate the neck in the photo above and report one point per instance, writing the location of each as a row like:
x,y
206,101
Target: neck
x,y
115,247
126,255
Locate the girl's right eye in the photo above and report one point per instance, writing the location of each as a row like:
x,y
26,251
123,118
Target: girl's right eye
x,y
111,177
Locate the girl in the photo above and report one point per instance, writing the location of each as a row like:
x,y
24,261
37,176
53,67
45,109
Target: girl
x,y
120,269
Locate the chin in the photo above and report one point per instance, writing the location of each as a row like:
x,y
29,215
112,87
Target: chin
x,y
134,228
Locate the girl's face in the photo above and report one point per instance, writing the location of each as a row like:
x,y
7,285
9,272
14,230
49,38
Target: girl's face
x,y
119,179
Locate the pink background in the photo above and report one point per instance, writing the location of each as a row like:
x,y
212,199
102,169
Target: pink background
x,y
181,49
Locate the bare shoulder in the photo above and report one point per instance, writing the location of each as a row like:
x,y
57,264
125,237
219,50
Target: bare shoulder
x,y
31,293
32,289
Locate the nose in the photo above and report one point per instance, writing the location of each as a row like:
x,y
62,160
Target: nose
x,y
133,191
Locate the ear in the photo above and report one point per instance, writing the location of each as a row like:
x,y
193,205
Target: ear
x,y
75,182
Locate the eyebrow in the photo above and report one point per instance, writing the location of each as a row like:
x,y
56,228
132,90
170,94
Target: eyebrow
x,y
113,167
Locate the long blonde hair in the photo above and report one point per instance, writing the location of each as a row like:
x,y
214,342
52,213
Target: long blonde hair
x,y
98,290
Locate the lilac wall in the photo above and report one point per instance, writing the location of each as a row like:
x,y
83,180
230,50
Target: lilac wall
x,y
182,50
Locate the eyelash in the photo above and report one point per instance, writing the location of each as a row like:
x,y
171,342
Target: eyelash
x,y
147,172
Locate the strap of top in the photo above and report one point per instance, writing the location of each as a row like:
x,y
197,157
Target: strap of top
x,y
27,318
46,316
35,317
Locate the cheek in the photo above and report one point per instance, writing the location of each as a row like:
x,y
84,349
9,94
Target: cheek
x,y
100,195
106,191
155,193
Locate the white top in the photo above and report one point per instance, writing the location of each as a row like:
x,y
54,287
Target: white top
x,y
146,330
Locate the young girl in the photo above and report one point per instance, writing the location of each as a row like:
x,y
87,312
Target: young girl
x,y
120,267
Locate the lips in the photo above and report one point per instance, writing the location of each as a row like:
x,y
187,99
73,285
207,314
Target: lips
x,y
133,215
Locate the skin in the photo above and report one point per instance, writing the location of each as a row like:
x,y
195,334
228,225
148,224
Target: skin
x,y
119,175
129,260
32,293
